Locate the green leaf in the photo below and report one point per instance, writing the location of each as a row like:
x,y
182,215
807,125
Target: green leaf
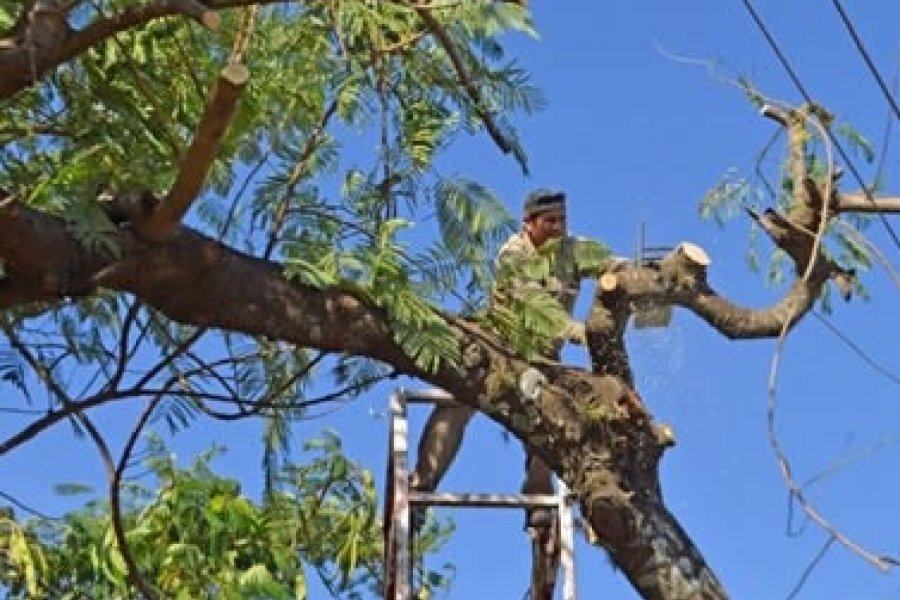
x,y
860,144
72,489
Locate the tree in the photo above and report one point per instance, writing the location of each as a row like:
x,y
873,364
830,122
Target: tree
x,y
197,536
315,276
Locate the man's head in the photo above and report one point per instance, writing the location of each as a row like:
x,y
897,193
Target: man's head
x,y
544,216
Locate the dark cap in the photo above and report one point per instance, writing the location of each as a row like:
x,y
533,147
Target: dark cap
x,y
541,201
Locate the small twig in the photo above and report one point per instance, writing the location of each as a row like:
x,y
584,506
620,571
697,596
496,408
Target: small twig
x,y
22,506
297,173
850,458
880,257
40,370
122,359
759,160
236,200
857,349
380,67
179,349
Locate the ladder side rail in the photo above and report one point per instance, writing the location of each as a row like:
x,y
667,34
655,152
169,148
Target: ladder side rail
x,y
566,542
389,549
400,519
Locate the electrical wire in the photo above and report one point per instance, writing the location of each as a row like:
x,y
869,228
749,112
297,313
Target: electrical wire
x,y
806,96
857,349
851,29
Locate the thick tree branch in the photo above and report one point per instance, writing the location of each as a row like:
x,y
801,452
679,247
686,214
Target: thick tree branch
x,y
587,427
605,329
680,279
27,57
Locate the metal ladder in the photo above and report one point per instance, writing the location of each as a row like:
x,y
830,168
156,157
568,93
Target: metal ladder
x,y
399,499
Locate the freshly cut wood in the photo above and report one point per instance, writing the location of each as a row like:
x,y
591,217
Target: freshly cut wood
x,y
609,282
235,73
694,253
199,12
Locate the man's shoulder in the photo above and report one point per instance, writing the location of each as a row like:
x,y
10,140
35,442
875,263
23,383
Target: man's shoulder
x,y
517,243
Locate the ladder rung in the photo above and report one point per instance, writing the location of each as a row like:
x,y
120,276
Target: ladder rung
x,y
428,396
476,500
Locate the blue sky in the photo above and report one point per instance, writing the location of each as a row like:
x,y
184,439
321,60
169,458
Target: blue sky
x,y
634,135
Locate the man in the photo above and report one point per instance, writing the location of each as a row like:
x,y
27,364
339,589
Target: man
x,y
540,262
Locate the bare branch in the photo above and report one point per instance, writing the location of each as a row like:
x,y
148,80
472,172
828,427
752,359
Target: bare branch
x,y
165,218
134,573
861,202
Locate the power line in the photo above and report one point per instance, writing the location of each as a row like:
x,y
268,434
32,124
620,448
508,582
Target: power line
x,y
866,57
857,349
806,96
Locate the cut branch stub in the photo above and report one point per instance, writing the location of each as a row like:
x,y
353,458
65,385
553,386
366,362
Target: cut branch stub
x,y
684,268
605,329
693,254
199,12
163,222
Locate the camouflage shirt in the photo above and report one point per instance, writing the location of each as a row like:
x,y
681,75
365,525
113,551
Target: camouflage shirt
x,y
555,269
